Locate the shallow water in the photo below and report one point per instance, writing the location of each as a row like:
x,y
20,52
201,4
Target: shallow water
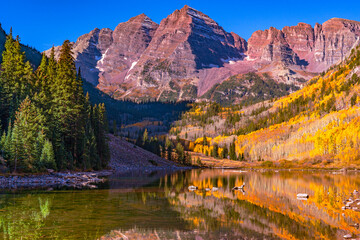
x,y
159,206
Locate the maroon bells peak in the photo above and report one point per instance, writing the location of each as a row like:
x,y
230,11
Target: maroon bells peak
x,y
188,53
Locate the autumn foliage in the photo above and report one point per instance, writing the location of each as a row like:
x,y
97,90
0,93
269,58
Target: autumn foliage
x,y
319,123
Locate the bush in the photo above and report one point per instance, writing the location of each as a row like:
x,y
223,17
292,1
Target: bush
x,y
267,164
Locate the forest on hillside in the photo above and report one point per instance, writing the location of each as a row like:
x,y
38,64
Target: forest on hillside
x,y
319,123
47,121
248,89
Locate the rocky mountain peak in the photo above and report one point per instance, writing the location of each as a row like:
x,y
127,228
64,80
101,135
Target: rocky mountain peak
x,y
184,43
188,53
270,45
313,49
139,18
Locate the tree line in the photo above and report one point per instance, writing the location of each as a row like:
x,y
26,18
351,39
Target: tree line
x,y
46,119
168,149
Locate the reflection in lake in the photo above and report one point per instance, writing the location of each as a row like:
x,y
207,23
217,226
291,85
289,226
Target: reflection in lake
x,y
160,206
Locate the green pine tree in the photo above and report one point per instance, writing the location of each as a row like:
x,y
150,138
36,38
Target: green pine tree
x,y
47,158
225,152
16,78
27,126
232,152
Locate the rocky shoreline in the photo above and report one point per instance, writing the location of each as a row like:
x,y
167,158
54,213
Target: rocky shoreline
x,y
77,180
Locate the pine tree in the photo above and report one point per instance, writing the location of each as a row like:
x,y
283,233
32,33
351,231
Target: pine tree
x,y
215,151
69,105
47,158
225,152
205,143
2,144
6,143
54,121
232,151
16,78
90,156
101,138
180,153
42,90
51,70
27,126
42,70
39,145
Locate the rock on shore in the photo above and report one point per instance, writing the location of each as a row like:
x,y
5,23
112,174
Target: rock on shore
x,y
77,180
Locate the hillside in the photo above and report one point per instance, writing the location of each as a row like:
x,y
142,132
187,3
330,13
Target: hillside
x,y
126,156
319,123
248,89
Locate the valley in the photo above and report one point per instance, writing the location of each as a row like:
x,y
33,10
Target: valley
x,y
177,128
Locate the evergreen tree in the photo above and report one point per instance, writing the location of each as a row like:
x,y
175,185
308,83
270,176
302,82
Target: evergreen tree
x,y
6,143
232,152
100,134
42,90
69,106
215,151
53,120
47,158
27,126
180,153
51,70
225,152
2,143
16,78
205,143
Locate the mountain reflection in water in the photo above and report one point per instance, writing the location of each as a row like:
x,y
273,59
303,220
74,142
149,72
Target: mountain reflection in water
x,y
160,206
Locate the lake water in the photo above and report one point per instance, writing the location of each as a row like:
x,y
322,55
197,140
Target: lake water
x,y
160,206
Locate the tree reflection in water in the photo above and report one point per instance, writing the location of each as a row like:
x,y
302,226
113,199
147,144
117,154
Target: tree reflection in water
x,y
161,206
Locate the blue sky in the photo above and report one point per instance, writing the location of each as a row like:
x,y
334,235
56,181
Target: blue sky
x,y
42,23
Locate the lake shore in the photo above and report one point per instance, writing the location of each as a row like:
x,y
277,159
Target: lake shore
x,y
211,162
73,179
124,157
127,157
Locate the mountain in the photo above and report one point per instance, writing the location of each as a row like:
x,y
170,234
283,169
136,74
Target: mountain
x,y
188,54
105,56
185,42
312,49
32,55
